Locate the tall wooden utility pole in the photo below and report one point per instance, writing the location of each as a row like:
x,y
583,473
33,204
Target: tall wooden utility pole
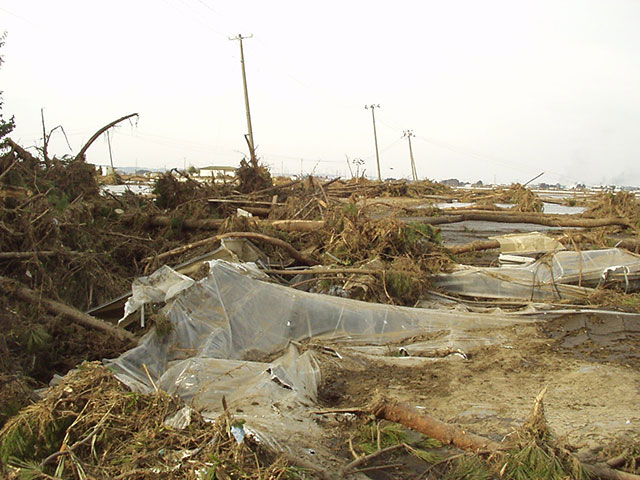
x,y
375,135
414,173
248,137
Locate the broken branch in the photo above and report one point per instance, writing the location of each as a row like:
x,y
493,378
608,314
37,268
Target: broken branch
x,y
95,136
295,254
28,295
547,220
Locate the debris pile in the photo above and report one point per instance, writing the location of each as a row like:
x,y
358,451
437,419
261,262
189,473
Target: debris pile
x,y
313,328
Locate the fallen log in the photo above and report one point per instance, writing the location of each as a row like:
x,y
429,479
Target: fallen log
x,y
536,219
628,244
474,246
295,254
28,295
411,417
235,201
325,271
42,253
277,187
215,223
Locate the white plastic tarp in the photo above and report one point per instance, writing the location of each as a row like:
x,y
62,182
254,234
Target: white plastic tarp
x,y
561,275
227,327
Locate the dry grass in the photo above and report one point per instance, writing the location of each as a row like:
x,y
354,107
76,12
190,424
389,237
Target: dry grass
x,y
92,426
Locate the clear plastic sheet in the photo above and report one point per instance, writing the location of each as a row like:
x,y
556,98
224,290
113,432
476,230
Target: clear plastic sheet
x,y
561,275
234,335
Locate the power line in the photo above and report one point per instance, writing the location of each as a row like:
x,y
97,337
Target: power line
x,y
512,165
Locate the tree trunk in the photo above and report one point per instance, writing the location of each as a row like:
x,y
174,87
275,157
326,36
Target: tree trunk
x,y
31,296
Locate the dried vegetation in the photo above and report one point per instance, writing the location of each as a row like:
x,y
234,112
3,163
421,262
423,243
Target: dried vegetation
x,y
65,239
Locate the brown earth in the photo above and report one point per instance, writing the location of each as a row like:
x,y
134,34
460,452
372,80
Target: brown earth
x,y
592,376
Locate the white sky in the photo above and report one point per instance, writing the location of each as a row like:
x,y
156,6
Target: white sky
x,y
493,89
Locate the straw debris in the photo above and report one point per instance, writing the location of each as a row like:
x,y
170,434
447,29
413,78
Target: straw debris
x,y
91,425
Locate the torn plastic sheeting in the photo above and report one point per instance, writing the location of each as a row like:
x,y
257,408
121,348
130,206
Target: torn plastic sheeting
x,y
230,315
161,286
548,278
230,249
204,381
229,318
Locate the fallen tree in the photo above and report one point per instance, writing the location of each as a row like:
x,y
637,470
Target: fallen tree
x,y
24,293
506,455
215,223
536,219
295,254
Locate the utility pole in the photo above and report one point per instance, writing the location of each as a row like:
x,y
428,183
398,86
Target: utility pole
x,y
249,138
113,170
375,135
414,173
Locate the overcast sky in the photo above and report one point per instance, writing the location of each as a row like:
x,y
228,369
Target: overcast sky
x,y
493,90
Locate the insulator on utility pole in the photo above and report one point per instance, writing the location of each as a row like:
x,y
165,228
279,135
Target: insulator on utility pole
x,y
249,138
408,134
375,135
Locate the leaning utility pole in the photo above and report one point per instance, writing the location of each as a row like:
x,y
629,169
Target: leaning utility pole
x,y
414,173
375,135
249,138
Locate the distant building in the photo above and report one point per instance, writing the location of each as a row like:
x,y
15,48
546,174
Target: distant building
x,y
215,171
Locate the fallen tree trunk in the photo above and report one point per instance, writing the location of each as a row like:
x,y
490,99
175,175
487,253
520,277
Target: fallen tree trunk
x,y
411,417
215,223
474,246
536,219
295,254
42,253
325,271
28,295
628,244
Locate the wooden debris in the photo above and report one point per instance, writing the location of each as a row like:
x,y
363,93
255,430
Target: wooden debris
x,y
295,254
57,308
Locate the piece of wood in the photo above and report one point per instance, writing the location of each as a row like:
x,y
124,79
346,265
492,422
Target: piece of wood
x,y
295,254
474,246
22,153
232,201
28,295
215,223
18,255
43,253
536,219
629,244
324,271
95,136
411,417
277,187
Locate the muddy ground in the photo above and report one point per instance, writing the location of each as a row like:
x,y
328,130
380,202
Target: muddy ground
x,y
590,368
